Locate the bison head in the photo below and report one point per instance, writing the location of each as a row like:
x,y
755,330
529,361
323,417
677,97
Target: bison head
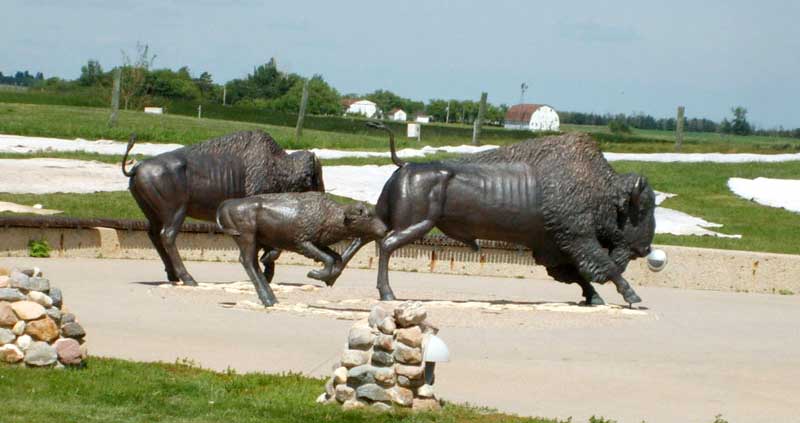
x,y
361,221
306,172
638,219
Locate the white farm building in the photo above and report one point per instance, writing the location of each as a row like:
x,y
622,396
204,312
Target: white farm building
x,y
533,117
354,106
398,115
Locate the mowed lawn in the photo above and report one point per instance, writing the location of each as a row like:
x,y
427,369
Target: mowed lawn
x,y
701,190
111,390
92,123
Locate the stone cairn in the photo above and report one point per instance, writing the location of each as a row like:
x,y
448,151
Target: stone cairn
x,y
383,362
35,328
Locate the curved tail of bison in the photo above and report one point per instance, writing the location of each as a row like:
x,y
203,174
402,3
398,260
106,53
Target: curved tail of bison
x,y
131,141
396,160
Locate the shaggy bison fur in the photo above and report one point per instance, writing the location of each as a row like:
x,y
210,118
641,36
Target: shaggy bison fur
x,y
194,180
306,223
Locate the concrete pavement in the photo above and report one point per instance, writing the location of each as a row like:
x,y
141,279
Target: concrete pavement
x,y
688,356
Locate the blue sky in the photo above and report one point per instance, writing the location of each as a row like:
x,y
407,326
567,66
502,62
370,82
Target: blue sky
x,y
614,56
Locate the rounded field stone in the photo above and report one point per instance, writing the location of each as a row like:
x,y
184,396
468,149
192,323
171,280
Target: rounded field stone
x,y
40,298
353,404
382,358
11,353
344,393
405,382
409,313
381,406
411,372
401,396
19,328
28,310
407,355
7,316
372,392
40,354
410,336
7,336
376,316
360,338
425,391
11,294
44,329
353,358
340,375
360,375
67,317
387,325
54,314
73,330
24,341
57,297
384,376
385,342
68,351
4,281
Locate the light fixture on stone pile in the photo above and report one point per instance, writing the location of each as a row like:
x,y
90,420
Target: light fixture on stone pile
x,y
434,351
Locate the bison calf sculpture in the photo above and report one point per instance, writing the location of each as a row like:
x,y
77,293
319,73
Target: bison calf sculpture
x,y
305,223
194,180
556,195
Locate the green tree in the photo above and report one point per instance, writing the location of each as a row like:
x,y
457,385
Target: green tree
x,y
739,125
91,74
266,82
322,98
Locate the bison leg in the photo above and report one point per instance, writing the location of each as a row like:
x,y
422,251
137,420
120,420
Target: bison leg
x,y
346,256
410,225
168,236
568,274
248,256
595,265
268,260
328,257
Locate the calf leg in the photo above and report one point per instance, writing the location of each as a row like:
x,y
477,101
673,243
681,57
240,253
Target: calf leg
x,y
248,256
268,260
311,251
569,274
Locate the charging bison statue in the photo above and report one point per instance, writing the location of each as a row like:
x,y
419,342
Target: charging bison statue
x,y
193,181
557,196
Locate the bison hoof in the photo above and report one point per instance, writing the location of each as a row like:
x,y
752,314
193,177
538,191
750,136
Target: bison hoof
x,y
188,281
631,297
595,300
320,275
387,296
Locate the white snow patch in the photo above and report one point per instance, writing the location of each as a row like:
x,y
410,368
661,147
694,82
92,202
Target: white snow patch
x,y
782,193
41,176
20,144
23,144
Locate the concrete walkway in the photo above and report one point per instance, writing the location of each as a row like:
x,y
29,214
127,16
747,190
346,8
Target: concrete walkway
x,y
689,356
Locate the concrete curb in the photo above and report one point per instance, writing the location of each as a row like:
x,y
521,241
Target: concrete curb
x,y
692,268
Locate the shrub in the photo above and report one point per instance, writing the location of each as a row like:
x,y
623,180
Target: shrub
x,y
38,248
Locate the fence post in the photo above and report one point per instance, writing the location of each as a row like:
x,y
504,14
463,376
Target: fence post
x,y
679,129
476,131
298,131
199,111
112,120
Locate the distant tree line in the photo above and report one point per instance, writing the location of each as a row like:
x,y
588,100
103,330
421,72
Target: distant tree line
x,y
269,88
21,78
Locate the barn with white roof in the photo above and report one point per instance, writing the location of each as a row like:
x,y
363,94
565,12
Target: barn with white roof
x,y
533,117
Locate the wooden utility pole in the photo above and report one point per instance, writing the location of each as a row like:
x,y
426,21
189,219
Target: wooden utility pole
x,y
298,132
199,111
224,94
679,129
476,131
112,120
447,116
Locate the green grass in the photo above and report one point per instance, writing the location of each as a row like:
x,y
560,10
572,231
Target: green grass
x,y
91,123
111,390
701,187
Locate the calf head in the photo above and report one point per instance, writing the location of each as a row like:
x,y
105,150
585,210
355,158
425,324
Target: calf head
x,y
361,221
639,212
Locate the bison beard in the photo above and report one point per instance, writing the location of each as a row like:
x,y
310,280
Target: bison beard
x,y
194,180
557,196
